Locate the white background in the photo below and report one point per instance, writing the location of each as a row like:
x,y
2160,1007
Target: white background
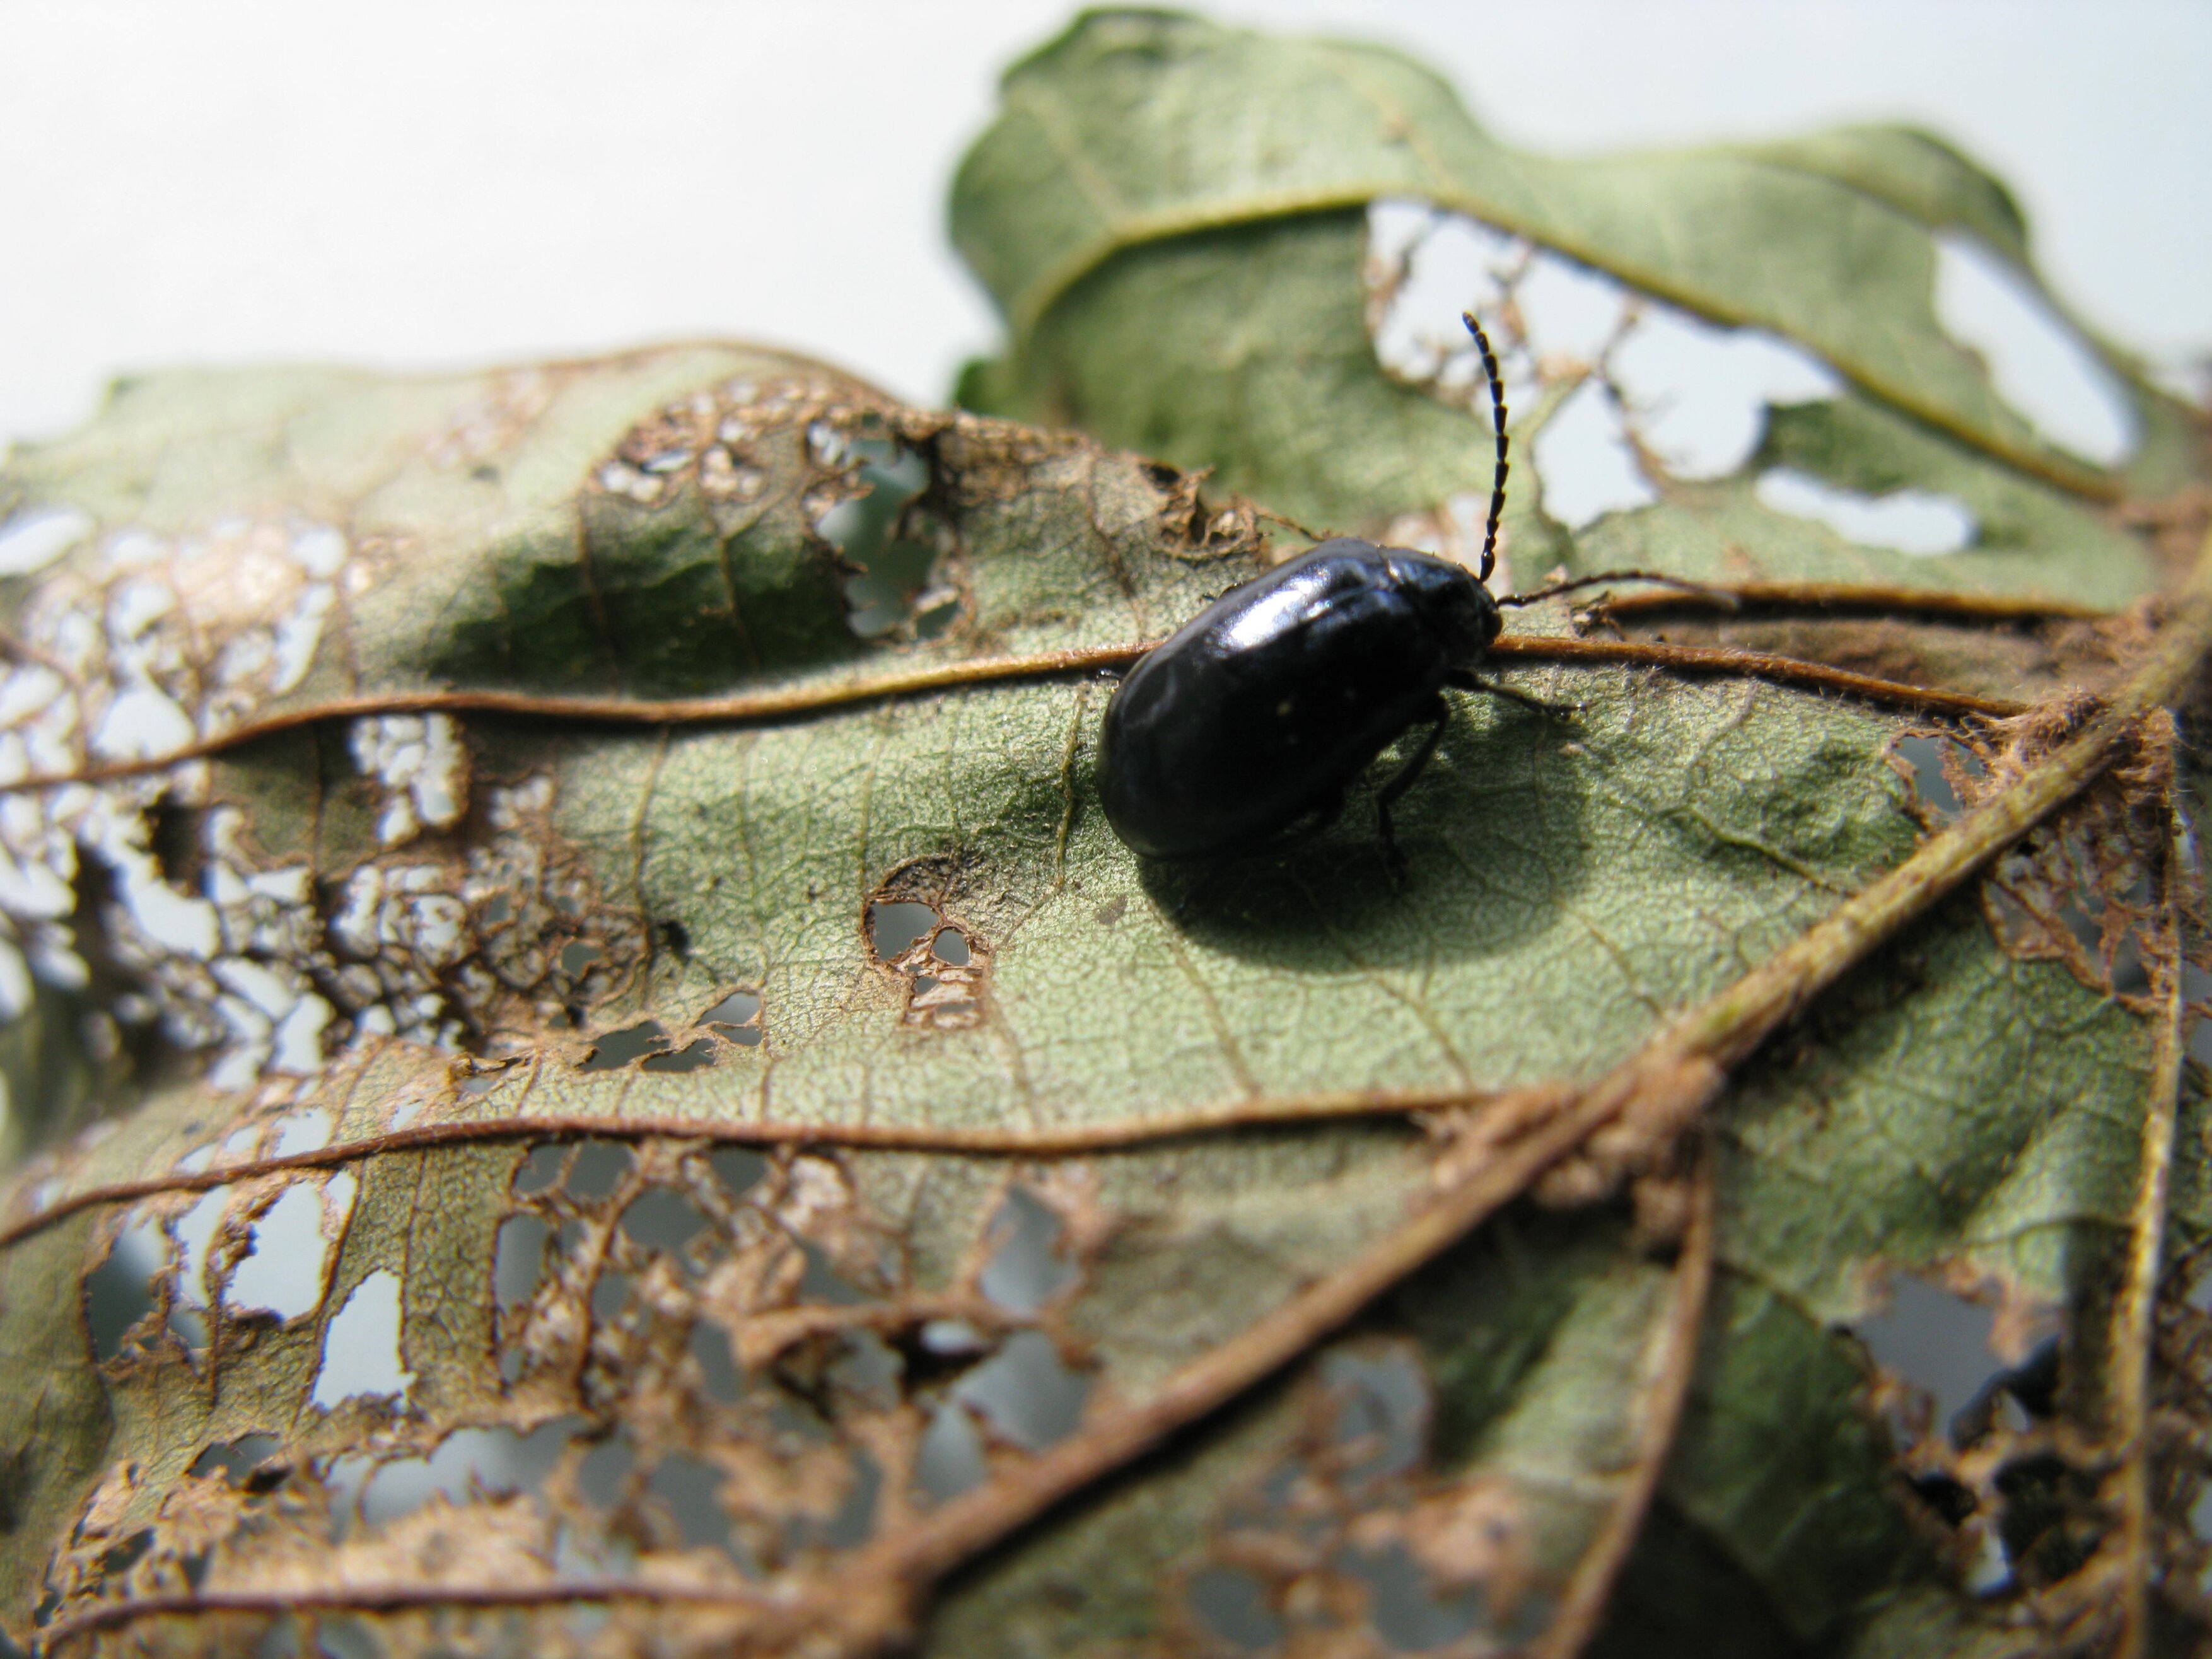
x,y
215,181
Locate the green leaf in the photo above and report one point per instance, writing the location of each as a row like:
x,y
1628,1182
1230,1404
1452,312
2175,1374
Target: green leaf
x,y
1916,173
655,1245
1168,214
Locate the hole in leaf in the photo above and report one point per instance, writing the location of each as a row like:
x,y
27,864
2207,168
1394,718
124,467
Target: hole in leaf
x,y
519,1260
661,1219
1569,310
346,1636
950,947
603,1472
1029,1395
1584,459
141,722
619,1049
1403,1606
1232,1602
1939,1342
302,1132
1694,396
610,1292
239,1459
361,1346
494,1459
870,1367
1027,1270
2130,977
895,929
33,539
695,1056
736,1017
284,1271
280,1640
195,1232
692,1492
542,1169
119,1292
892,583
823,1282
189,1325
2037,360
1927,757
1916,521
953,1339
1441,264
855,1519
598,1169
951,1460
121,1557
710,1348
1382,1406
738,1168
1697,394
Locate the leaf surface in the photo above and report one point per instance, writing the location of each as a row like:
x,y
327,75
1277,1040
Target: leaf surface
x,y
541,1148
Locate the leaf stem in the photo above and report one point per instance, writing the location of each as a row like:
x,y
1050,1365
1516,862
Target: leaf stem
x,y
813,697
1069,1140
391,1598
1874,597
2135,1315
1748,665
798,701
1669,1362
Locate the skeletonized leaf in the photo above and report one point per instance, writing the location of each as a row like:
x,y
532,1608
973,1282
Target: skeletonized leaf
x,y
568,1177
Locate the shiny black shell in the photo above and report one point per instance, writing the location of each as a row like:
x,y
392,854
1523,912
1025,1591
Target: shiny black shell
x,y
1265,705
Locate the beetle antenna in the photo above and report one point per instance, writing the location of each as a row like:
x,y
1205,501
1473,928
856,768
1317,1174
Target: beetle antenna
x,y
1498,419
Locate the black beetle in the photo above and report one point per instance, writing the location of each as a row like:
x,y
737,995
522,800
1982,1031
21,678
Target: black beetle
x,y
1263,707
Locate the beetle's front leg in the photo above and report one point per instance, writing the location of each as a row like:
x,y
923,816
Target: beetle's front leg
x,y
1402,779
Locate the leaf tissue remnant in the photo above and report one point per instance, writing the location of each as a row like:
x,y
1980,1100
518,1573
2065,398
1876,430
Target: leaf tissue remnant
x,y
942,968
618,1048
736,1017
893,548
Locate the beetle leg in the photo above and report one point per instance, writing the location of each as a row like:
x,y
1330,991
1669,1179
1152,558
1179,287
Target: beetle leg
x,y
1563,711
1402,779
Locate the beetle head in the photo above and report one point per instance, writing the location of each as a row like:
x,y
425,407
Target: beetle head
x,y
1457,608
